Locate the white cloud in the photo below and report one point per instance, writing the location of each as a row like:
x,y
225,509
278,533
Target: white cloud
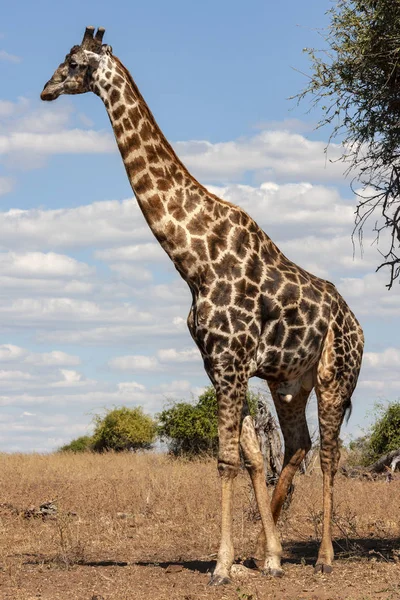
x,y
100,223
175,388
37,310
164,360
75,141
22,286
127,271
45,119
117,334
324,255
171,355
147,252
6,108
9,352
41,265
134,363
368,295
6,185
127,387
387,359
22,356
17,375
71,377
51,359
287,209
279,154
7,57
29,133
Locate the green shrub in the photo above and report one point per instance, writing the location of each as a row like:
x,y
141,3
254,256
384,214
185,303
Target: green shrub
x,y
123,429
192,429
80,444
358,453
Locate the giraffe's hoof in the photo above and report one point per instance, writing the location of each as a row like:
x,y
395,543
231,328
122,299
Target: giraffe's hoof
x,y
219,580
323,568
273,572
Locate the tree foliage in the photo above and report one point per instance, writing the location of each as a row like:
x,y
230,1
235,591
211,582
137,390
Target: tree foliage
x,y
356,83
191,429
123,429
385,433
382,438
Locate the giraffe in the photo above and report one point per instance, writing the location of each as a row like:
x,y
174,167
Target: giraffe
x,y
253,312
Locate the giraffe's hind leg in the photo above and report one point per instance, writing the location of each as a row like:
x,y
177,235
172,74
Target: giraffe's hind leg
x,y
271,546
331,410
292,419
337,375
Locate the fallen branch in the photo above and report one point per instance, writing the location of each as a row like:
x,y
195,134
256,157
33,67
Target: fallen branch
x,y
391,460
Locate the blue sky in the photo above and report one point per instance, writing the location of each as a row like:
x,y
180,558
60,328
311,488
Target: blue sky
x,y
92,313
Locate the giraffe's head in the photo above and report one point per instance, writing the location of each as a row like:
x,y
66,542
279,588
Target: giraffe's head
x,y
74,75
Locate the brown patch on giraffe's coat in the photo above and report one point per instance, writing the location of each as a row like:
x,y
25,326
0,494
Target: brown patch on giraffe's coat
x,y
254,268
156,207
222,294
146,132
118,130
240,242
152,153
135,117
245,294
218,239
191,201
199,247
200,223
133,141
227,267
114,96
135,166
118,81
164,184
221,321
175,235
157,171
143,185
176,209
118,112
127,124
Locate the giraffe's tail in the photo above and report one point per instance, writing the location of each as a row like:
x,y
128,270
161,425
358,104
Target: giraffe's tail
x,y
347,409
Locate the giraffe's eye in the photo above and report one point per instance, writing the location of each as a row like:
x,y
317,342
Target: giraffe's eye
x,y
73,64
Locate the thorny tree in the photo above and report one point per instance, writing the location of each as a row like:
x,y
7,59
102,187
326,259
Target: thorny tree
x,y
356,83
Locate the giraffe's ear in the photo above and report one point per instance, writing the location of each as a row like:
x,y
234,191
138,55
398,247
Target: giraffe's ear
x,y
106,49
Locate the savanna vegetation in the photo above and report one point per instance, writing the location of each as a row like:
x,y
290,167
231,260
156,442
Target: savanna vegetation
x,y
146,526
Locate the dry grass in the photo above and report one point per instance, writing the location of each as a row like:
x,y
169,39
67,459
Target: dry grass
x,y
149,508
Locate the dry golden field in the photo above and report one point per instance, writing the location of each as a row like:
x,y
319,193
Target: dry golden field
x,y
146,527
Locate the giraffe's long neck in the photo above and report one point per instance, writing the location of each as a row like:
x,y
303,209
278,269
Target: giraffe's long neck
x,y
161,183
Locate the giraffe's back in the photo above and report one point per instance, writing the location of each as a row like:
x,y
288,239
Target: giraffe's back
x,y
253,304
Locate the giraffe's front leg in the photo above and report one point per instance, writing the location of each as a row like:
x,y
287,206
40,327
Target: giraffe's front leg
x,y
271,548
230,401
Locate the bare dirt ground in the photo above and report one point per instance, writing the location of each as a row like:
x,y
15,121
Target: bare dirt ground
x,y
146,527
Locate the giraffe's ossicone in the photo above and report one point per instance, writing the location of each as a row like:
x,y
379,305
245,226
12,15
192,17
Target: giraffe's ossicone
x,y
254,312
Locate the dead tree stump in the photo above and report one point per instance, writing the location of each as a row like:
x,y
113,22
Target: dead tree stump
x,y
267,430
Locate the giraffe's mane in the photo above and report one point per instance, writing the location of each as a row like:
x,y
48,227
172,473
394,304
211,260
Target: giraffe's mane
x,y
151,118
166,143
